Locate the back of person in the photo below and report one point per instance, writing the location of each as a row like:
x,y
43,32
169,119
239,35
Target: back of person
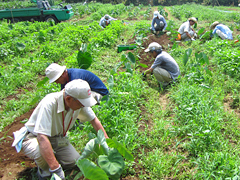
x,y
223,28
94,81
166,61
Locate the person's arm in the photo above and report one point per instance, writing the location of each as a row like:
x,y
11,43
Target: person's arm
x,y
97,126
188,35
153,22
148,71
47,151
165,24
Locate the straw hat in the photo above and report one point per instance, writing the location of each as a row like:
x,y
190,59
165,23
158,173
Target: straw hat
x,y
214,24
193,19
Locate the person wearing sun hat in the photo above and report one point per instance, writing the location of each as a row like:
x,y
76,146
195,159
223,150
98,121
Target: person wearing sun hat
x,y
186,32
164,68
45,138
221,30
105,20
61,75
158,23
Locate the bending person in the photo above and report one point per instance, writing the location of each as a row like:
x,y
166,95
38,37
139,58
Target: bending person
x,y
44,136
221,30
61,75
105,20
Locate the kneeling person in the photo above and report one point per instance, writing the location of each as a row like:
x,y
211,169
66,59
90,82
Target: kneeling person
x,y
164,68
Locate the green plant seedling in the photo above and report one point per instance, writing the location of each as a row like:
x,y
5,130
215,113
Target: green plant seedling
x,y
84,58
110,162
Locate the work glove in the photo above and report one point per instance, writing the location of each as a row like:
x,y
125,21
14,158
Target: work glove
x,y
154,32
59,171
193,39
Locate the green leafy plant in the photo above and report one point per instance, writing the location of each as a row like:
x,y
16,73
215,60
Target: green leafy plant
x,y
108,162
84,58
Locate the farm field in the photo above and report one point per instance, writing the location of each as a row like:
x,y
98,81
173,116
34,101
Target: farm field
x,y
188,131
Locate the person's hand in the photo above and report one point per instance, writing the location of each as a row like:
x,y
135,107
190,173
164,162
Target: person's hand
x,y
192,39
59,171
154,32
164,30
144,76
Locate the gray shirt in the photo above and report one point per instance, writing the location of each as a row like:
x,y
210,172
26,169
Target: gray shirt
x,y
165,61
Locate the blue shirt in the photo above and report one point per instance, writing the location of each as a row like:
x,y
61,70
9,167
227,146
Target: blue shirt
x,y
224,29
94,82
157,21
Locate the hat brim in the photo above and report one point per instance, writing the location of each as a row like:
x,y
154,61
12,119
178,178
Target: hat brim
x,y
88,102
58,75
147,50
155,15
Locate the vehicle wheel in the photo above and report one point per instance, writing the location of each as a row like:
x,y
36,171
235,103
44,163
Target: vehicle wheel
x,y
15,20
51,18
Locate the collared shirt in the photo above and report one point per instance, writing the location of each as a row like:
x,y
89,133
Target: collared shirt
x,y
47,118
157,21
185,27
94,81
223,28
165,61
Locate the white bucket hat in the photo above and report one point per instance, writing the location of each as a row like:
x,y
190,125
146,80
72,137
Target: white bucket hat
x,y
106,16
156,14
80,90
54,71
153,46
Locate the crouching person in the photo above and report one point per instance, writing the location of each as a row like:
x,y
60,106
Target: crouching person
x,y
43,138
158,23
164,68
221,30
186,32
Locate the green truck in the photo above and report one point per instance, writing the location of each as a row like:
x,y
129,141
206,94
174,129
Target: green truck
x,y
43,12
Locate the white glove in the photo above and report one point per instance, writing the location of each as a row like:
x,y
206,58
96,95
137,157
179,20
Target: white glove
x,y
193,39
59,172
154,32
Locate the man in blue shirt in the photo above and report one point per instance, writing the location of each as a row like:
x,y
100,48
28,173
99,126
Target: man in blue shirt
x,y
221,30
61,75
158,23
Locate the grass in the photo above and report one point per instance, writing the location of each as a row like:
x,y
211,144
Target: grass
x,y
185,132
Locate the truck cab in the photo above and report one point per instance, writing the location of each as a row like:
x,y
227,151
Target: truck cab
x,y
43,12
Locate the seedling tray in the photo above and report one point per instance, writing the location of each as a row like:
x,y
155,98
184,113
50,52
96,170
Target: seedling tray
x,y
125,47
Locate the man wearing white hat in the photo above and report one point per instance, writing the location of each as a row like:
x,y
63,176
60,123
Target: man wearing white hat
x,y
61,75
164,68
221,30
43,138
158,23
105,20
186,32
